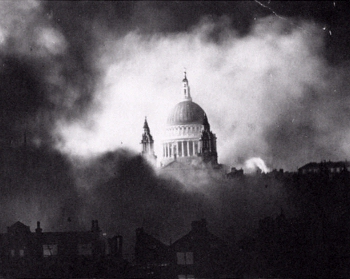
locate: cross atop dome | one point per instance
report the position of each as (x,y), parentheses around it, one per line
(186,88)
(185,78)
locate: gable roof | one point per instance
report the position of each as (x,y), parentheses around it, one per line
(18,227)
(148,240)
(199,236)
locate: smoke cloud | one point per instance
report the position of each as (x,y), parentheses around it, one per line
(37,184)
(266,94)
(123,192)
(84,80)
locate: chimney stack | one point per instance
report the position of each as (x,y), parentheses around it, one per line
(116,245)
(94,226)
(38,230)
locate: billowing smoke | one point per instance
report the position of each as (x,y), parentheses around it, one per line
(43,75)
(83,80)
(42,80)
(268,94)
(122,191)
(37,184)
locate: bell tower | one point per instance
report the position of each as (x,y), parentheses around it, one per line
(147,143)
(208,143)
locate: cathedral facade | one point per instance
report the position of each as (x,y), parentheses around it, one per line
(187,139)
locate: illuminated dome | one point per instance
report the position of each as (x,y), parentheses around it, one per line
(187,137)
(186,112)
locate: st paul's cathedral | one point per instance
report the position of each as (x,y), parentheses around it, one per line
(188,140)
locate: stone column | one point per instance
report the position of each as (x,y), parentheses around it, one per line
(182,149)
(188,148)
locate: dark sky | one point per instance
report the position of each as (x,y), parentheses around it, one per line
(77,19)
(78,78)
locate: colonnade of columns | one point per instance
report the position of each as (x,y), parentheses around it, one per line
(181,149)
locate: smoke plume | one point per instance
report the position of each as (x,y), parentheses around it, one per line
(269,93)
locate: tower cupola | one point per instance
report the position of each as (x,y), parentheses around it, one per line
(147,143)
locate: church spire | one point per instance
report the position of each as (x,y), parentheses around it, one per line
(145,127)
(147,143)
(186,88)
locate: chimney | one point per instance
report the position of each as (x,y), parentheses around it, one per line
(116,244)
(120,246)
(38,230)
(94,226)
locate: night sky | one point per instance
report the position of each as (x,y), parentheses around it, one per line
(78,78)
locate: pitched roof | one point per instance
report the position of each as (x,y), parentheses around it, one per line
(18,226)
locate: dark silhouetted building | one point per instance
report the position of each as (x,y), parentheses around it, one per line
(152,257)
(235,173)
(59,254)
(325,166)
(198,254)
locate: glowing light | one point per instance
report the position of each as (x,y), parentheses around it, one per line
(255,163)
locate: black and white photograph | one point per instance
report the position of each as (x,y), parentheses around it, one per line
(174,139)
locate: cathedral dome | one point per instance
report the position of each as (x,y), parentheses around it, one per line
(187,137)
(186,112)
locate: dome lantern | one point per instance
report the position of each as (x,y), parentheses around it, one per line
(186,88)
